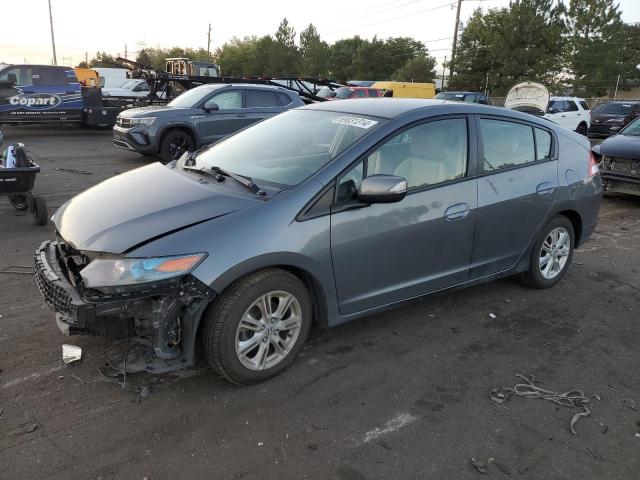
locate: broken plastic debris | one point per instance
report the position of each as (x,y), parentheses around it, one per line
(479,465)
(492,315)
(260,444)
(630,403)
(71,353)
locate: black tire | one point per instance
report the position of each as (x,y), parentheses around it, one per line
(222,320)
(534,276)
(174,143)
(582,129)
(19,201)
(40,211)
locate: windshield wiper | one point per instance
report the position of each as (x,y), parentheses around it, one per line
(219,174)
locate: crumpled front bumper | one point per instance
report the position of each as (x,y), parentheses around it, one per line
(164,316)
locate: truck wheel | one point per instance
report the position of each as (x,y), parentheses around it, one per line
(257,327)
(40,211)
(174,144)
(582,129)
(19,201)
(551,254)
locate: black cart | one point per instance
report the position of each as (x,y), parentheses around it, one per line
(17,184)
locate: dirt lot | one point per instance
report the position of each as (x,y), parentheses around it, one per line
(400,395)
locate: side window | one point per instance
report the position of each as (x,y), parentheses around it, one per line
(143,87)
(470,98)
(584,105)
(284,99)
(359,94)
(21,76)
(556,106)
(543,144)
(260,98)
(427,154)
(349,183)
(228,100)
(506,144)
(571,106)
(372,92)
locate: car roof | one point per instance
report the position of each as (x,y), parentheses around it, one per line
(556,97)
(215,86)
(394,107)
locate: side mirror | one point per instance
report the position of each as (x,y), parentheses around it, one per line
(382,189)
(210,106)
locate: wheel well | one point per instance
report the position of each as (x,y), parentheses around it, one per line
(187,130)
(576,222)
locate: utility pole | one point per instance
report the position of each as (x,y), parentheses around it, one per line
(125,50)
(615,93)
(53,42)
(455,40)
(209,43)
(86,58)
(444,66)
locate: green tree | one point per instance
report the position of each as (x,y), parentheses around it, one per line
(103,59)
(314,53)
(238,57)
(343,53)
(596,41)
(524,41)
(417,69)
(284,52)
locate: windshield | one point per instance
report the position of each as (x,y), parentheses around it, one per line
(191,98)
(343,92)
(633,129)
(129,84)
(613,109)
(458,97)
(286,149)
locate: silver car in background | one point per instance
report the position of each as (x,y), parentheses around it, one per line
(323,214)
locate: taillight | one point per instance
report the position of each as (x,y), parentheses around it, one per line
(593,165)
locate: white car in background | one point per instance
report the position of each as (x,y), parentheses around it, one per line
(572,113)
(134,88)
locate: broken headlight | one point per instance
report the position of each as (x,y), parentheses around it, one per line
(112,272)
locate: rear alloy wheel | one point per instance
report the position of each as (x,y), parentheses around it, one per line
(257,327)
(174,144)
(582,129)
(552,254)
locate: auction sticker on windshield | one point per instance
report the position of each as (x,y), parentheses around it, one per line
(355,121)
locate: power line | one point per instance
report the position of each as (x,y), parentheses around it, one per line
(373,14)
(355,14)
(387,20)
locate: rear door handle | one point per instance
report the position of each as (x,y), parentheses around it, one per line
(544,188)
(457,211)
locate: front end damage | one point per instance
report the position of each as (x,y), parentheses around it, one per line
(162,316)
(620,175)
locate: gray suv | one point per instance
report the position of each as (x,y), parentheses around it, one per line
(323,214)
(198,117)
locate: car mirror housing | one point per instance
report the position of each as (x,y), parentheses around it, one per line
(382,189)
(211,106)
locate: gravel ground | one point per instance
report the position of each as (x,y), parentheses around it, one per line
(398,395)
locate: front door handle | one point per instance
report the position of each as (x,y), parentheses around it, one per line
(545,188)
(457,211)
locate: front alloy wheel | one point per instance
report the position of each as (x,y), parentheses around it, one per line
(258,326)
(268,330)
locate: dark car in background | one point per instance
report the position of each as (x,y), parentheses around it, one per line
(323,214)
(471,97)
(198,117)
(609,118)
(619,158)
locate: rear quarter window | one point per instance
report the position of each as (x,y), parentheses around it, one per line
(260,98)
(506,144)
(284,99)
(584,105)
(543,144)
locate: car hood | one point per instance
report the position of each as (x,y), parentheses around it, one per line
(142,205)
(622,146)
(527,97)
(154,110)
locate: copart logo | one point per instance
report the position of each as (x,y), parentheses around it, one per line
(36,101)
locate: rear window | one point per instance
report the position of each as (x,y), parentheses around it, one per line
(506,144)
(584,105)
(543,144)
(284,99)
(53,76)
(260,98)
(614,108)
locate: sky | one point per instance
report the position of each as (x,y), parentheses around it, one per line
(82,28)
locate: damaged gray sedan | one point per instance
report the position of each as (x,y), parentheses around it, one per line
(323,214)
